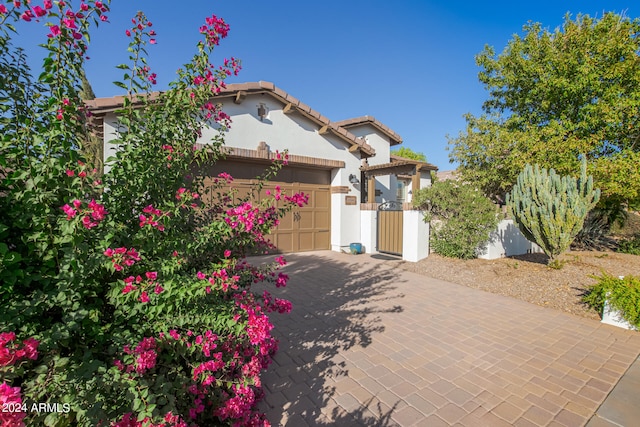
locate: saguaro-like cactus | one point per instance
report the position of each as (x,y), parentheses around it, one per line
(549,209)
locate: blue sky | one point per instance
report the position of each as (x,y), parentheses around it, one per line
(410,64)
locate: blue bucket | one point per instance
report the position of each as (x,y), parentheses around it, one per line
(356,248)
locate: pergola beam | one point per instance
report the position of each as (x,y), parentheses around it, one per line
(240,96)
(289,108)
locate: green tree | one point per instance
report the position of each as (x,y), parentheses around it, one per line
(554,95)
(461,217)
(550,209)
(408,153)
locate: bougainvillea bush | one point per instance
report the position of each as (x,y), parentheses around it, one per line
(125,299)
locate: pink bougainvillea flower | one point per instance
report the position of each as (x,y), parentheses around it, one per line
(31,348)
(144,297)
(98,211)
(128,288)
(151,275)
(71,213)
(282,279)
(10,395)
(70,23)
(3,9)
(70,173)
(39,11)
(48,4)
(88,223)
(227,253)
(27,16)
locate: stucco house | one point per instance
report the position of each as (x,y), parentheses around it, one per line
(344,166)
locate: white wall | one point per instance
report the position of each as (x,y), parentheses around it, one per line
(415,236)
(507,240)
(110,133)
(425,179)
(368,230)
(279,130)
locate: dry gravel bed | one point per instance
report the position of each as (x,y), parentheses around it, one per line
(528,278)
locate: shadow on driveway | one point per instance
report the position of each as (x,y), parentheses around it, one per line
(337,306)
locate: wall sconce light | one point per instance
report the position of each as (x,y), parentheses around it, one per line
(262,111)
(353,179)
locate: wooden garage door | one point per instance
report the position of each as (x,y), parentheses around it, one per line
(307,228)
(304,228)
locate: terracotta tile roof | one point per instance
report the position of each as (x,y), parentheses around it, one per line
(362,120)
(101,106)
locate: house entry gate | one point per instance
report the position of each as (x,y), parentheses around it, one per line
(389,236)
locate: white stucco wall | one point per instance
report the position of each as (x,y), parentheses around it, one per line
(507,240)
(368,230)
(415,236)
(110,133)
(279,130)
(425,179)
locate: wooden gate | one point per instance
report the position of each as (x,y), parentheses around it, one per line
(389,236)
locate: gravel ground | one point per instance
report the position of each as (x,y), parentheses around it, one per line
(528,278)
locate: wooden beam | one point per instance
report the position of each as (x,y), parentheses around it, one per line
(415,183)
(289,108)
(240,96)
(371,190)
(354,148)
(324,129)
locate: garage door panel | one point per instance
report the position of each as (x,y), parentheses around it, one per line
(306,220)
(323,239)
(322,199)
(306,241)
(284,241)
(322,220)
(303,228)
(286,222)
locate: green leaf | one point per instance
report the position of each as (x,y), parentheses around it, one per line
(120,85)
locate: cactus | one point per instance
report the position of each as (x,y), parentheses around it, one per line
(549,209)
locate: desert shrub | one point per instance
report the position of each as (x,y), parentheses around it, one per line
(461,217)
(630,246)
(549,209)
(125,300)
(595,233)
(623,294)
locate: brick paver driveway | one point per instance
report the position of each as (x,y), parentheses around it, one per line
(367,344)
